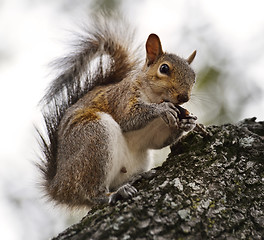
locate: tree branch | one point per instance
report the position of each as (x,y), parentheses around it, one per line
(210,187)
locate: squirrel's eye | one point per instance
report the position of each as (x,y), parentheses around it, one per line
(164,68)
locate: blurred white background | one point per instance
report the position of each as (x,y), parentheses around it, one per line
(228,37)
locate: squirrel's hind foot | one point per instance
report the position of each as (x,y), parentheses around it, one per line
(124,192)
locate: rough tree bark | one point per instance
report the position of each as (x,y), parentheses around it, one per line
(210,187)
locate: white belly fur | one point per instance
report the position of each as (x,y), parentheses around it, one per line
(124,153)
(153,136)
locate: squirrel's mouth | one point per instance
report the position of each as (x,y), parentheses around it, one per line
(173,102)
(178,99)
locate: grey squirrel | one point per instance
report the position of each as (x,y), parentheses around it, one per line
(106,110)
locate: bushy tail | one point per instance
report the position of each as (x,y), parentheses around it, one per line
(102,55)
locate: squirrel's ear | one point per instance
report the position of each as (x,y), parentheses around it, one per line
(153,48)
(191,57)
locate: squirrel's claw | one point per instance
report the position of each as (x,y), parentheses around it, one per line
(124,192)
(169,114)
(188,124)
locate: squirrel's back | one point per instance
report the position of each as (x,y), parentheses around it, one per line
(102,55)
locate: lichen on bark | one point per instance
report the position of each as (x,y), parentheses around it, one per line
(210,187)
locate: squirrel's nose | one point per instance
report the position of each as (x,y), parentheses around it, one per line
(182,98)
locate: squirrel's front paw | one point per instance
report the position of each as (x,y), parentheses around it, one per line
(169,114)
(125,191)
(188,124)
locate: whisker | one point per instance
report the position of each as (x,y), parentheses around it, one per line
(201,98)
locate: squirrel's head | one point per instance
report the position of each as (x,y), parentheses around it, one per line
(168,77)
